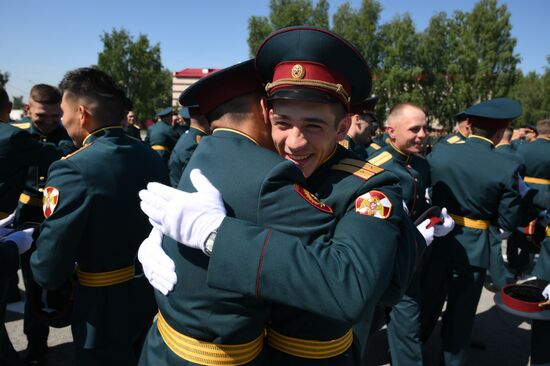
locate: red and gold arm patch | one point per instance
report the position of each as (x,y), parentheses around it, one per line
(312,199)
(50,200)
(373,203)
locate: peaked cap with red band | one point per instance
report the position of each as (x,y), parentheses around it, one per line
(219,87)
(313,64)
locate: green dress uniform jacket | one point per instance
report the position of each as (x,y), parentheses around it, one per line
(321,289)
(162,138)
(9,264)
(478,187)
(536,155)
(357,149)
(18,151)
(403,324)
(377,143)
(94,220)
(183,150)
(134,131)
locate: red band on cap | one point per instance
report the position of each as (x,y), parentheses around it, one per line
(516,304)
(312,75)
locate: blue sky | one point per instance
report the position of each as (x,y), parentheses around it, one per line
(41,40)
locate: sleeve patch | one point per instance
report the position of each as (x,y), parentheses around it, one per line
(312,199)
(374,203)
(50,201)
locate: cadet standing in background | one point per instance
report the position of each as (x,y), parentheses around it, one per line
(361,129)
(161,136)
(187,143)
(478,188)
(406,127)
(44,110)
(89,196)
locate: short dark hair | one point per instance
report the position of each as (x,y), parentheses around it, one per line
(4,98)
(98,91)
(487,132)
(239,107)
(45,94)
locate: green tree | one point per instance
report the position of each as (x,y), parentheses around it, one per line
(18,102)
(399,70)
(360,27)
(4,78)
(136,65)
(286,13)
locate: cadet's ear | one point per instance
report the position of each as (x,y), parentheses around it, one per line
(85,116)
(391,131)
(343,127)
(26,108)
(265,110)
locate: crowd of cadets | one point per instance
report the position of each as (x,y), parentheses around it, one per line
(351,244)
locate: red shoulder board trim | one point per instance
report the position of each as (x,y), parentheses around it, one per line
(312,200)
(374,203)
(50,200)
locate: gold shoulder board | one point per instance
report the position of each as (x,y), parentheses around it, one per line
(22,125)
(453,140)
(381,159)
(344,143)
(358,168)
(77,151)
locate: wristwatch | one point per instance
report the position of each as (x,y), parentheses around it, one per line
(209,243)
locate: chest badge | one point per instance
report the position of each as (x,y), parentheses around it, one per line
(312,200)
(373,203)
(50,200)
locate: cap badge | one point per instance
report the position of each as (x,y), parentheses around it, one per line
(298,72)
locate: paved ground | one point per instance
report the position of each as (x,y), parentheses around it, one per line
(506,339)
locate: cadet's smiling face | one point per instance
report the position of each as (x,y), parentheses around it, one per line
(46,117)
(408,130)
(306,133)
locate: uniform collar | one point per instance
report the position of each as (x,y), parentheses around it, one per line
(543,138)
(502,145)
(198,129)
(461,135)
(481,140)
(398,154)
(101,132)
(222,130)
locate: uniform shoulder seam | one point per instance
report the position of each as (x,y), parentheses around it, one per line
(77,151)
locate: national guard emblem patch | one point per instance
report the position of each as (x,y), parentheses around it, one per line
(373,203)
(50,200)
(312,200)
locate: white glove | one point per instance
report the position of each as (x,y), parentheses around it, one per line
(185,217)
(23,239)
(523,188)
(503,234)
(159,269)
(447,226)
(427,233)
(5,222)
(546,292)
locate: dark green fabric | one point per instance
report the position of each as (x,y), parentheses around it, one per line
(377,143)
(182,152)
(98,196)
(359,150)
(472,181)
(9,263)
(164,135)
(413,172)
(18,151)
(134,131)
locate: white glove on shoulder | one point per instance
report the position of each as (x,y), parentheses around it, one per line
(23,239)
(427,233)
(447,226)
(546,292)
(5,222)
(159,268)
(185,217)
